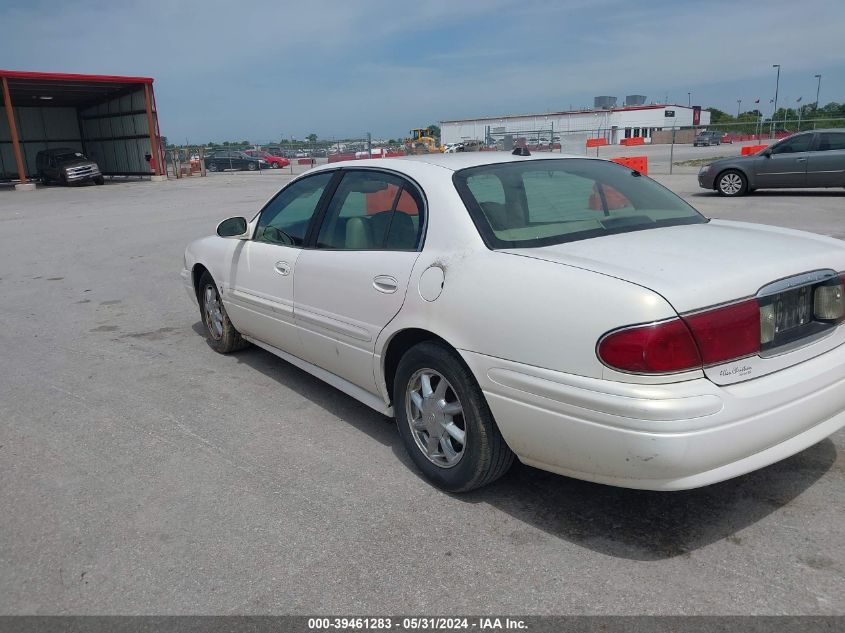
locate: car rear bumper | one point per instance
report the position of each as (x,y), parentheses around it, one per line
(661,437)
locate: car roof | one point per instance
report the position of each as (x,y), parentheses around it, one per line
(453,162)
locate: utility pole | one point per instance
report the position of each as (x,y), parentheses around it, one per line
(800,109)
(738,106)
(818,89)
(774,112)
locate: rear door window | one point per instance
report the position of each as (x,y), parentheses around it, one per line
(372,210)
(831,141)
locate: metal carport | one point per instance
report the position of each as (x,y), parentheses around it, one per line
(113,120)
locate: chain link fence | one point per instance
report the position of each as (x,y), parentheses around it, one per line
(666,148)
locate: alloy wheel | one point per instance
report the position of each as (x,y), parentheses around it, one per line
(213,313)
(730,184)
(436,417)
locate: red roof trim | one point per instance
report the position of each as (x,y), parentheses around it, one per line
(19,74)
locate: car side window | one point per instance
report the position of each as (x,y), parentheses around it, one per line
(286,217)
(831,141)
(372,210)
(800,143)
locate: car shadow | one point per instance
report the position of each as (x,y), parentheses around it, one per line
(618,522)
(648,525)
(362,417)
(778,193)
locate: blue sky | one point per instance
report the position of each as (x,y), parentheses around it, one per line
(261,69)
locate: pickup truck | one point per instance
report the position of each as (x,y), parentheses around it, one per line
(67,166)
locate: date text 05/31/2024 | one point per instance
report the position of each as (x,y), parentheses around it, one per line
(415,623)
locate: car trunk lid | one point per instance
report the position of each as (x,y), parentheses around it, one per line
(699,266)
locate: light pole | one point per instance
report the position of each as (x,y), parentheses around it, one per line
(818,89)
(777,85)
(738,106)
(689,99)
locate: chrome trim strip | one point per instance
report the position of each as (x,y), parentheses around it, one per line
(796,281)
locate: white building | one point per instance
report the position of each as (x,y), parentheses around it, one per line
(575,127)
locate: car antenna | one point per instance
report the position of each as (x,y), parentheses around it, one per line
(521,151)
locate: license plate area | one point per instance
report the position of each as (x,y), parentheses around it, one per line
(788,321)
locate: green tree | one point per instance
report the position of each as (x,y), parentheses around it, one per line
(435,130)
(312,138)
(719,116)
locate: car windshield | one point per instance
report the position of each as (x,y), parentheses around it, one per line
(69,156)
(542,202)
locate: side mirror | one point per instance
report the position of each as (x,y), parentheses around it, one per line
(233,227)
(766,153)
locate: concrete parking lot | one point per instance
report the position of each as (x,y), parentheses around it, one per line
(142,473)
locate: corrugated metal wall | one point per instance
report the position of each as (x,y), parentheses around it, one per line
(38,128)
(116,134)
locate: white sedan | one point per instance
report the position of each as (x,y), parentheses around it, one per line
(567,311)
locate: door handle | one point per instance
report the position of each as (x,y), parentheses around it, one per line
(282,268)
(385,284)
(800,160)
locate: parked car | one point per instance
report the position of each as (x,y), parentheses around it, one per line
(808,159)
(275,162)
(67,166)
(232,159)
(708,138)
(564,310)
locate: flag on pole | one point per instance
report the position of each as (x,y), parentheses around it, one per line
(798,100)
(756,101)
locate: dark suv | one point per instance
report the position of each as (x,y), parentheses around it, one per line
(708,138)
(232,159)
(67,166)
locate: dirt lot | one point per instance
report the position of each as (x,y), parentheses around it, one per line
(143,473)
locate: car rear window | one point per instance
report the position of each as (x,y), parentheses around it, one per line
(543,202)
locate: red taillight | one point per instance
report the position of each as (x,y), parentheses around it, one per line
(662,347)
(726,333)
(705,338)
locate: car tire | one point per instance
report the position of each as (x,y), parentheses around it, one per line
(222,335)
(274,165)
(732,183)
(212,167)
(45,179)
(99,180)
(251,166)
(435,390)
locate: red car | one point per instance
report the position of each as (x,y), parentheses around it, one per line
(276,162)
